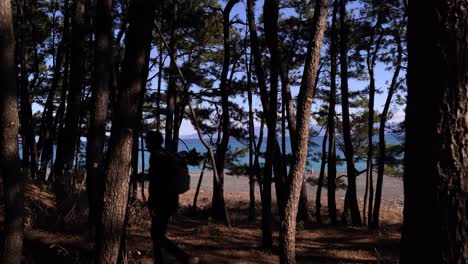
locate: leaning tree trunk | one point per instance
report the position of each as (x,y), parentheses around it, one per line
(288,225)
(9,162)
(436,159)
(118,167)
(351,193)
(100,104)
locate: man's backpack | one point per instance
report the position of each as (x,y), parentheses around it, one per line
(180,177)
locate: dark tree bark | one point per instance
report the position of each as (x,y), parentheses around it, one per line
(218,203)
(125,121)
(331,175)
(436,164)
(318,197)
(171,94)
(65,150)
(29,157)
(382,144)
(371,61)
(9,123)
(47,132)
(100,105)
(252,210)
(267,239)
(288,225)
(351,194)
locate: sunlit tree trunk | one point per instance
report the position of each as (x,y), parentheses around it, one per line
(288,225)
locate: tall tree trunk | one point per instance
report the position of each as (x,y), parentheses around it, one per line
(270,13)
(371,60)
(65,150)
(331,175)
(288,225)
(125,121)
(382,144)
(218,203)
(267,239)
(318,197)
(9,163)
(252,210)
(351,194)
(436,164)
(100,106)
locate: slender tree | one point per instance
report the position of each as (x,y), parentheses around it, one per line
(383,121)
(9,123)
(288,225)
(435,221)
(218,203)
(351,194)
(331,175)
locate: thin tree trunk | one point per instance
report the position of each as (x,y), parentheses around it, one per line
(125,121)
(318,197)
(100,105)
(65,150)
(252,210)
(218,203)
(371,60)
(197,191)
(9,163)
(382,144)
(171,94)
(288,225)
(45,142)
(267,239)
(435,226)
(351,193)
(331,175)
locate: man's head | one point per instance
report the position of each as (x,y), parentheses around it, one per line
(154,139)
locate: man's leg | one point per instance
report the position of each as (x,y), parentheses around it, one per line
(158,233)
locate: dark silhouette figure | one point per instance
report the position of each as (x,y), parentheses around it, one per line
(163,199)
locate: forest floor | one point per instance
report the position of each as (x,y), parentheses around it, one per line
(212,242)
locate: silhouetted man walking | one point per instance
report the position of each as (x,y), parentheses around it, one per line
(163,199)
